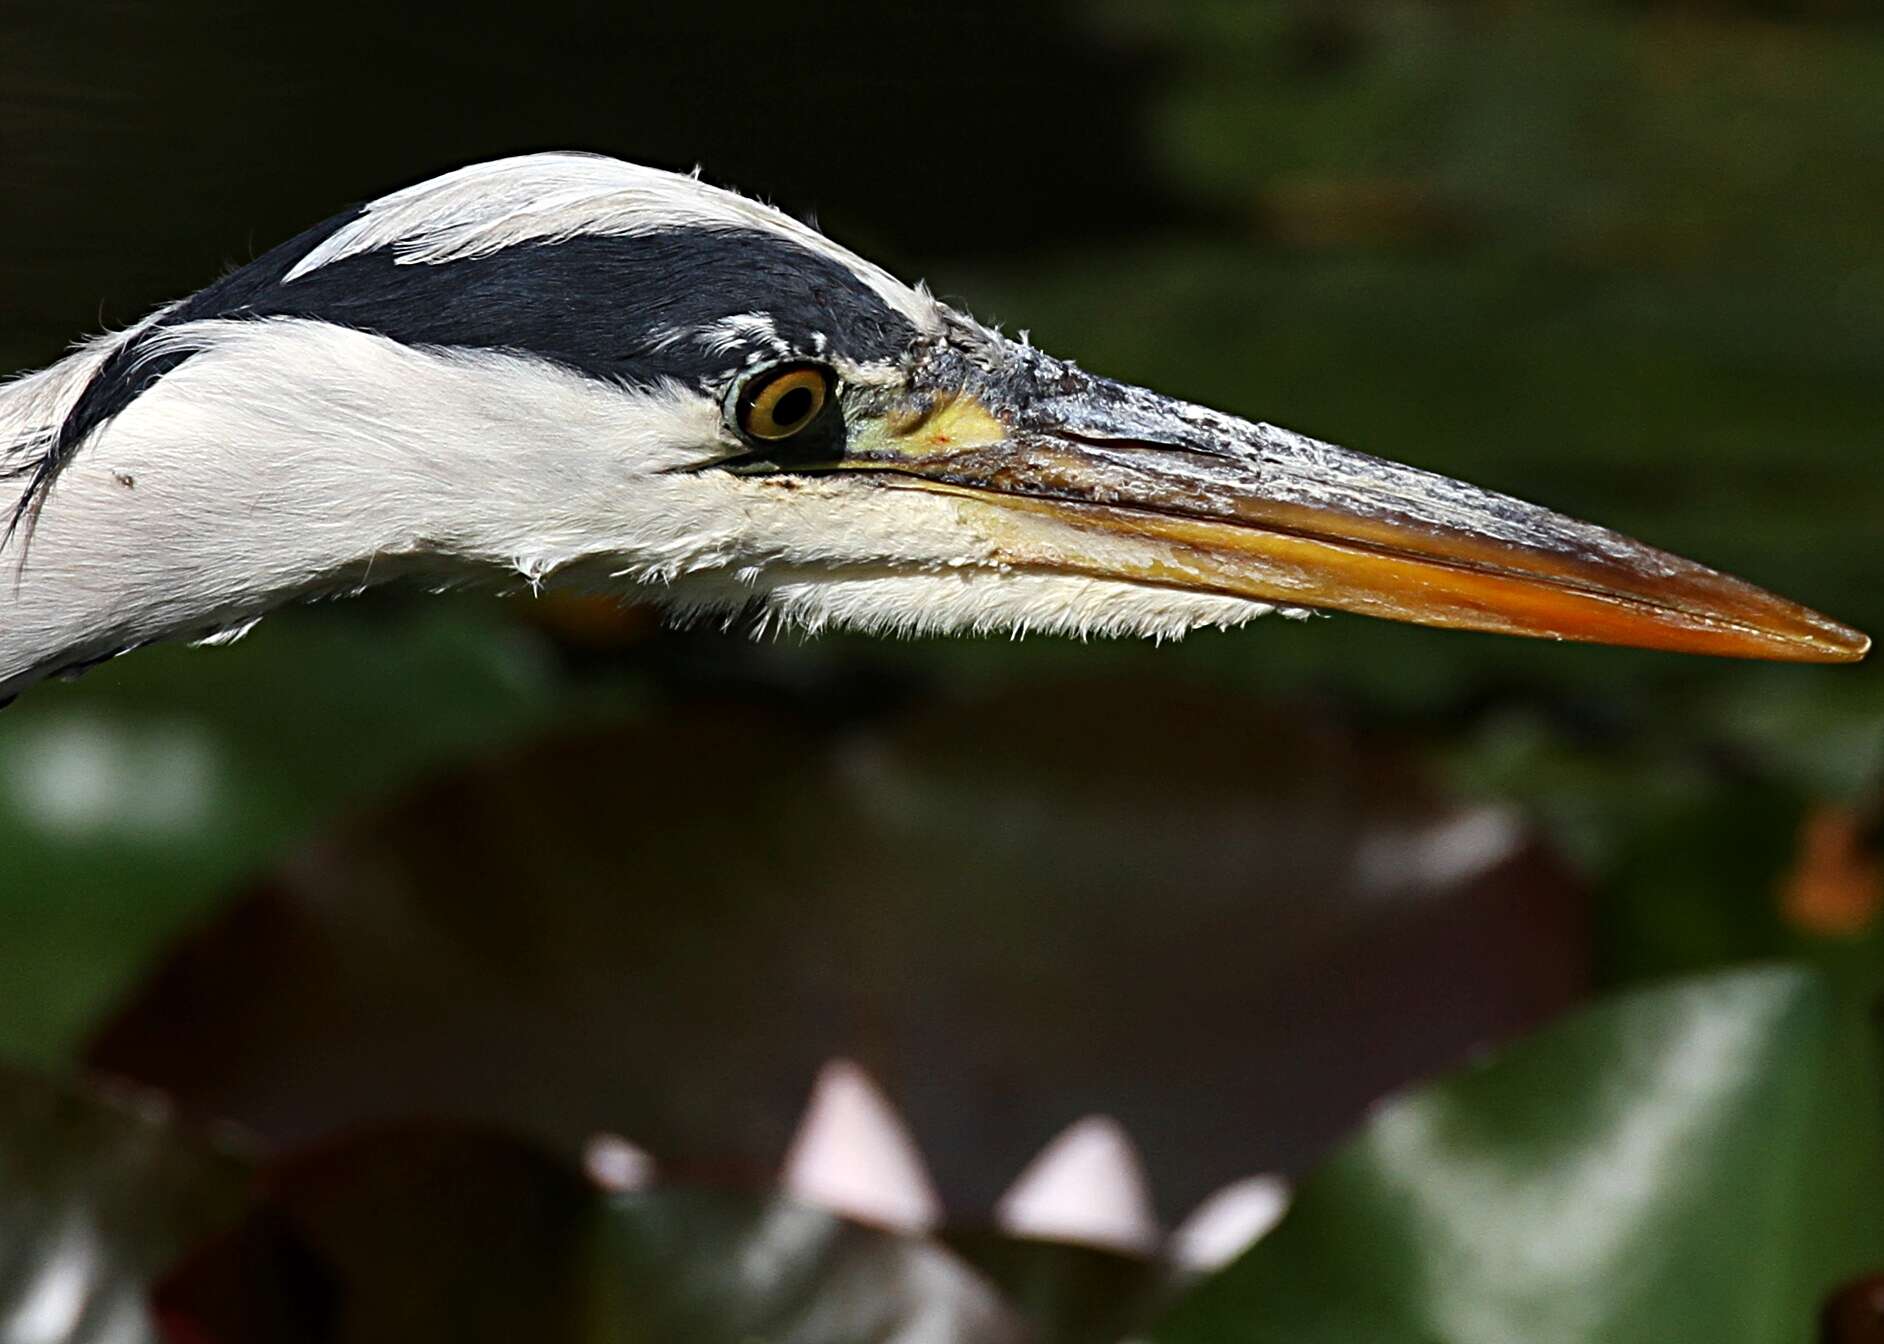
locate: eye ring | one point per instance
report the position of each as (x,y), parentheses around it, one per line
(784,401)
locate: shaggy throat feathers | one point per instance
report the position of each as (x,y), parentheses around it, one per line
(565,369)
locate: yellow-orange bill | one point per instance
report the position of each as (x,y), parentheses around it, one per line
(1082,475)
(1451,582)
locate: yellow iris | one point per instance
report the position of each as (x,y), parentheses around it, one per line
(785,403)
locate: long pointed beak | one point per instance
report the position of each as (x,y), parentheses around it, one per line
(1078,474)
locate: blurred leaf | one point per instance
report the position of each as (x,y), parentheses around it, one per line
(693,1266)
(1836,885)
(1068,1294)
(1855,1313)
(99,1192)
(1009,907)
(1704,852)
(431,1234)
(129,800)
(1588,132)
(1695,1163)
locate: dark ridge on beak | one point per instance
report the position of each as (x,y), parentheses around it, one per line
(1230,506)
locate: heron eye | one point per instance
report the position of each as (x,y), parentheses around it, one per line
(784,403)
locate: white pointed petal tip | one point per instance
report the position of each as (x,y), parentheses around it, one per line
(616,1165)
(1229,1223)
(1087,1187)
(854,1156)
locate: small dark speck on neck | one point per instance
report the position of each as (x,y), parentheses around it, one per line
(125,479)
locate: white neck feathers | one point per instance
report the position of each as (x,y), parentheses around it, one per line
(292,458)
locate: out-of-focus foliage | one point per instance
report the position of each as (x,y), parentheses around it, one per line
(464,1236)
(1721,1134)
(1070,1294)
(1692,1163)
(1616,258)
(127,803)
(100,1192)
(991,898)
(120,1224)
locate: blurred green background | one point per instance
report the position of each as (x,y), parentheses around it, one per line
(1620,258)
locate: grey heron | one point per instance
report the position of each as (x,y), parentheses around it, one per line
(562,367)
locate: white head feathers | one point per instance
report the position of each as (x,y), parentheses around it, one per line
(486,207)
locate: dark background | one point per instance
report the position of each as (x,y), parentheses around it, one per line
(550,863)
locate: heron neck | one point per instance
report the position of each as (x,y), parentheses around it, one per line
(293,460)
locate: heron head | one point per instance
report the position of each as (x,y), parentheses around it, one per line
(984,483)
(567,366)
(893,464)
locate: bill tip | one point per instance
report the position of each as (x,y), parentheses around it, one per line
(1834,643)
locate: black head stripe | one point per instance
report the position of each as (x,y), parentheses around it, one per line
(620,308)
(131,368)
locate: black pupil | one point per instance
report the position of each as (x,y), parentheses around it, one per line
(792,407)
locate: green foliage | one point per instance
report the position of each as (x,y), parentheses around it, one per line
(980,892)
(1070,1294)
(1620,259)
(419,1234)
(99,1193)
(128,802)
(1692,1163)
